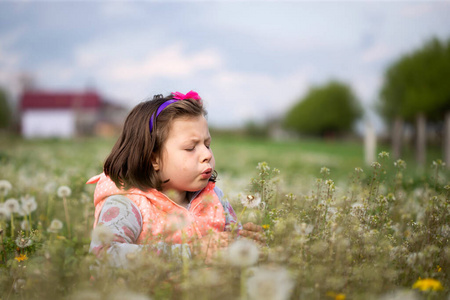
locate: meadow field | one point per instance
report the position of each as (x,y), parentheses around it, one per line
(335,228)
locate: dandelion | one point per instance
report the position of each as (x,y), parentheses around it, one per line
(55,226)
(21,257)
(12,205)
(19,284)
(102,235)
(5,187)
(303,228)
(338,296)
(28,204)
(25,225)
(251,201)
(64,192)
(4,213)
(270,283)
(243,253)
(428,284)
(400,295)
(23,242)
(383,154)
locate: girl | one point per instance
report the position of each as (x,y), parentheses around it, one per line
(158,184)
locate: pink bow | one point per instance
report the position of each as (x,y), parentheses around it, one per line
(190,95)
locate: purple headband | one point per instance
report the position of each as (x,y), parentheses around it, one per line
(177,96)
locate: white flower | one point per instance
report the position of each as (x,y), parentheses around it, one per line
(5,187)
(64,191)
(28,204)
(102,235)
(243,253)
(55,226)
(303,229)
(25,225)
(23,242)
(4,213)
(12,205)
(251,201)
(270,283)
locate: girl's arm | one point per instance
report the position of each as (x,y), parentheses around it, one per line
(118,215)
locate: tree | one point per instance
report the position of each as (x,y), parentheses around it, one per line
(416,89)
(5,111)
(328,109)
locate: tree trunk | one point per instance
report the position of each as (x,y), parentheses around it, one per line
(447,139)
(421,139)
(397,138)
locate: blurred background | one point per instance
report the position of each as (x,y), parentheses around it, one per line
(339,81)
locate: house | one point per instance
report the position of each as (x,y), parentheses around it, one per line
(67,114)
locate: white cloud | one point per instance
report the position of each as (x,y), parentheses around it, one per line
(376,53)
(167,62)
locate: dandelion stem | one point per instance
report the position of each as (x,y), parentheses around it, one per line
(12,225)
(66,211)
(243,284)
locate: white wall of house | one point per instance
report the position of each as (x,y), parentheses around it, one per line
(48,123)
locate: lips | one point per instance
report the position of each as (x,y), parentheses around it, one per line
(207,173)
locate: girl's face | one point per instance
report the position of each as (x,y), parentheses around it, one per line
(186,158)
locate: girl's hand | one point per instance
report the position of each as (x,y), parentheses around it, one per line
(254,232)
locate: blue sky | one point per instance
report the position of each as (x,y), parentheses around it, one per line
(247,59)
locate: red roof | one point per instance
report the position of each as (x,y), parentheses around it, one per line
(39,100)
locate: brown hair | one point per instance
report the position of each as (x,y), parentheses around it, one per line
(130,162)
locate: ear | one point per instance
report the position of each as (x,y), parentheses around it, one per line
(156,162)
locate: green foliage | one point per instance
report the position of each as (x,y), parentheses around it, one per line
(418,82)
(331,108)
(5,111)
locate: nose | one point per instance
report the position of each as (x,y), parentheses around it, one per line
(206,154)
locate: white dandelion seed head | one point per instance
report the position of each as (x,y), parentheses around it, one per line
(28,205)
(25,225)
(401,295)
(55,226)
(64,191)
(125,294)
(243,253)
(4,213)
(102,235)
(19,284)
(23,242)
(5,187)
(12,205)
(303,228)
(272,283)
(251,201)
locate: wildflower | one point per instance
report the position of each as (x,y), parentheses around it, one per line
(21,257)
(28,204)
(251,201)
(383,154)
(243,253)
(12,205)
(64,191)
(55,226)
(23,242)
(266,226)
(335,296)
(358,170)
(401,164)
(263,167)
(375,165)
(4,213)
(102,235)
(438,163)
(5,187)
(270,283)
(438,268)
(428,284)
(325,171)
(330,184)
